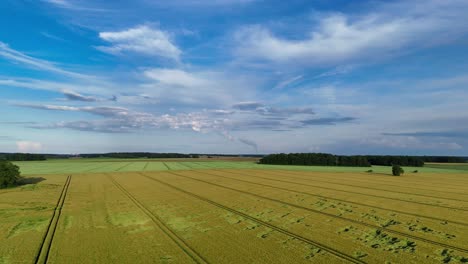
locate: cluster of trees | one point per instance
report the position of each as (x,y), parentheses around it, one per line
(133,155)
(322,159)
(9,174)
(397,170)
(22,156)
(399,160)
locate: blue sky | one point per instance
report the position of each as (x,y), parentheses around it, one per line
(234,76)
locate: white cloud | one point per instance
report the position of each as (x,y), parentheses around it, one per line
(175,77)
(62,3)
(201,3)
(339,38)
(28,146)
(141,39)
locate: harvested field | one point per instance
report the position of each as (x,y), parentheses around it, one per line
(210,212)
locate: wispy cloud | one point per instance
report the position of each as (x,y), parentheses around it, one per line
(141,39)
(29,146)
(52,36)
(75,5)
(74,96)
(327,121)
(340,38)
(220,120)
(444,134)
(263,109)
(249,142)
(63,3)
(248,106)
(288,82)
(44,65)
(196,88)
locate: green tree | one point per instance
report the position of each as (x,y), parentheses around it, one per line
(9,174)
(397,170)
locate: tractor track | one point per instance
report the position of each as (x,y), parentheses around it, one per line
(167,167)
(367,181)
(337,199)
(126,165)
(332,215)
(413,181)
(370,188)
(42,255)
(258,221)
(370,195)
(160,224)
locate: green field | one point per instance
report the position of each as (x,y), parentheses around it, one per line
(450,166)
(119,165)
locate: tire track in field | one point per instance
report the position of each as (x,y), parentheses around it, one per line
(187,166)
(367,181)
(273,174)
(330,215)
(44,249)
(217,167)
(370,188)
(336,199)
(146,165)
(62,169)
(160,224)
(126,165)
(167,167)
(97,168)
(370,195)
(258,221)
(416,180)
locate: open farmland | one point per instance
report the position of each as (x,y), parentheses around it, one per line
(121,165)
(232,212)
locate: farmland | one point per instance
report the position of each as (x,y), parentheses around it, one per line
(129,165)
(150,211)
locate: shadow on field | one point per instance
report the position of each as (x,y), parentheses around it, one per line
(31,180)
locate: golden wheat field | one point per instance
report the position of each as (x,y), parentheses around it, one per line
(236,216)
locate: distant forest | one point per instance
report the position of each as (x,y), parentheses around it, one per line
(283,159)
(134,155)
(324,159)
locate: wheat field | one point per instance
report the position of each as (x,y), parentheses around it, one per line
(222,214)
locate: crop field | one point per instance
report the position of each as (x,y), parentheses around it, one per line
(129,165)
(232,212)
(452,166)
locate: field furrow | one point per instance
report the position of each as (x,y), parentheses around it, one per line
(202,224)
(100,224)
(440,239)
(437,191)
(336,233)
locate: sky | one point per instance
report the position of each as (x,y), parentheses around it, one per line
(234,76)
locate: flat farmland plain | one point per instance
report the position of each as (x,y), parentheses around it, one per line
(229,213)
(128,165)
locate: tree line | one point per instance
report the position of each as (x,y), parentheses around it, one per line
(412,161)
(22,156)
(324,159)
(444,159)
(133,155)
